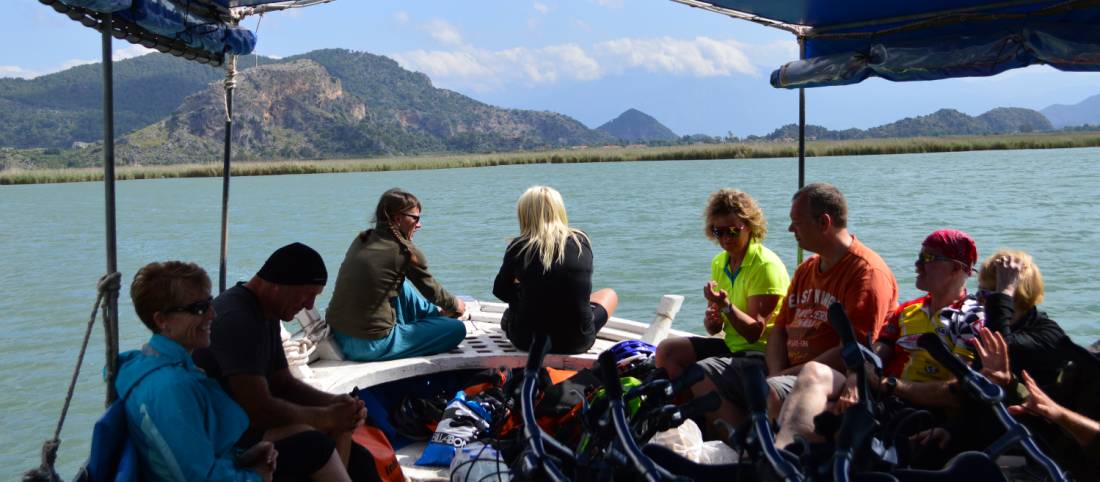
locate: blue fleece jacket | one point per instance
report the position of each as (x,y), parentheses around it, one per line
(182,423)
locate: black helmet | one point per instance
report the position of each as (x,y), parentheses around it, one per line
(416,418)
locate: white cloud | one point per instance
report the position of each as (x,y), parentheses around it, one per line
(17,71)
(68,64)
(131,51)
(480,69)
(443,32)
(698,57)
(401,16)
(610,3)
(542,8)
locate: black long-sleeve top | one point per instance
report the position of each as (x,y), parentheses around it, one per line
(556,301)
(1033,341)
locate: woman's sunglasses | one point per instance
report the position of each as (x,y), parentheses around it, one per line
(719,231)
(197,308)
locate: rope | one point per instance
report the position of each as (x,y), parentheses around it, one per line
(230,84)
(108,284)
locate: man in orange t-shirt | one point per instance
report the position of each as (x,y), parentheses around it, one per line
(843,270)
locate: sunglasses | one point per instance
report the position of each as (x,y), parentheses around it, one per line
(719,231)
(414,217)
(925,258)
(197,308)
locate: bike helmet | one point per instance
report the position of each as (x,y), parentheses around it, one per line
(416,418)
(631,355)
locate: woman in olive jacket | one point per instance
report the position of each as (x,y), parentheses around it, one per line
(386,305)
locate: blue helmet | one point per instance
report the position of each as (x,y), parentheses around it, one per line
(631,354)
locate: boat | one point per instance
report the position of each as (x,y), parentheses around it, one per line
(842,42)
(314,358)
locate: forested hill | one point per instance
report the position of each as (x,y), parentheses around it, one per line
(634,125)
(59,109)
(352,104)
(944,122)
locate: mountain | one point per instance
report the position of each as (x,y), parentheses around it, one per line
(325,103)
(637,126)
(1081,113)
(944,122)
(59,109)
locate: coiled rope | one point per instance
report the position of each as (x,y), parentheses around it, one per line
(108,285)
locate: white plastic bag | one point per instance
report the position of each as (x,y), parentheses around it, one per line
(686,440)
(716,452)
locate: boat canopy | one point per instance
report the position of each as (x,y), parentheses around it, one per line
(202,30)
(847,41)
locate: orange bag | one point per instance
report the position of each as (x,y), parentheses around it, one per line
(385,459)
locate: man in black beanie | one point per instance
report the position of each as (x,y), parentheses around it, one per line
(246,356)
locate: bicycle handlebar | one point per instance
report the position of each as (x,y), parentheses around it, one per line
(986,391)
(535,458)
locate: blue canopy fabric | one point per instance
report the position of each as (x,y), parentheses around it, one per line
(203,30)
(847,41)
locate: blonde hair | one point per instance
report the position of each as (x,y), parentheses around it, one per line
(1029,290)
(544,226)
(732,201)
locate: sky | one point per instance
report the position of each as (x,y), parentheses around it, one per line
(694,71)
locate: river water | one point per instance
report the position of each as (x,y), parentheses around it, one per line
(644,219)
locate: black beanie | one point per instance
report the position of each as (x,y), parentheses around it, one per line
(294,264)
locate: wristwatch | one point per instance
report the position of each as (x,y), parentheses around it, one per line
(890,384)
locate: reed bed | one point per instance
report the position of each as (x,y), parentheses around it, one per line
(742,150)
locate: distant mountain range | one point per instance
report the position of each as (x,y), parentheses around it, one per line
(1081,113)
(325,103)
(338,103)
(944,122)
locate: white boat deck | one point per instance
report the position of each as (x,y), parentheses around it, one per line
(485,346)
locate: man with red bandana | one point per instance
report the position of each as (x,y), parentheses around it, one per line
(945,262)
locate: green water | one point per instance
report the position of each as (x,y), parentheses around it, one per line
(644,219)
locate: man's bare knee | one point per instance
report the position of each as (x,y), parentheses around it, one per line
(814,374)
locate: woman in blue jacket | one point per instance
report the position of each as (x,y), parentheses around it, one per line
(183,425)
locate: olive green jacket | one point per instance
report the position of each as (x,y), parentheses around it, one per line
(374,268)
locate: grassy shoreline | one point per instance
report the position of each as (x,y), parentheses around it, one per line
(744,150)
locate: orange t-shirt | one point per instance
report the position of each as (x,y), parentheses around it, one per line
(861,282)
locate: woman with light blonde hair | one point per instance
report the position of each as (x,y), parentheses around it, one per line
(546,278)
(1011,286)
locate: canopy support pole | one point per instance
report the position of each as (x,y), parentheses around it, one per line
(230,84)
(110,325)
(801,130)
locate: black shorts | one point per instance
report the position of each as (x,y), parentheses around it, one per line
(566,342)
(708,346)
(300,454)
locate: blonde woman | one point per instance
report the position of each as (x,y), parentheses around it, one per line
(747,282)
(1011,287)
(546,278)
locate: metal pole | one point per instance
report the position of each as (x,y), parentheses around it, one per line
(110,325)
(801,130)
(230,83)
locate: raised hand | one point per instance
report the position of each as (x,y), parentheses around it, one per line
(993,351)
(1007,269)
(1037,403)
(715,295)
